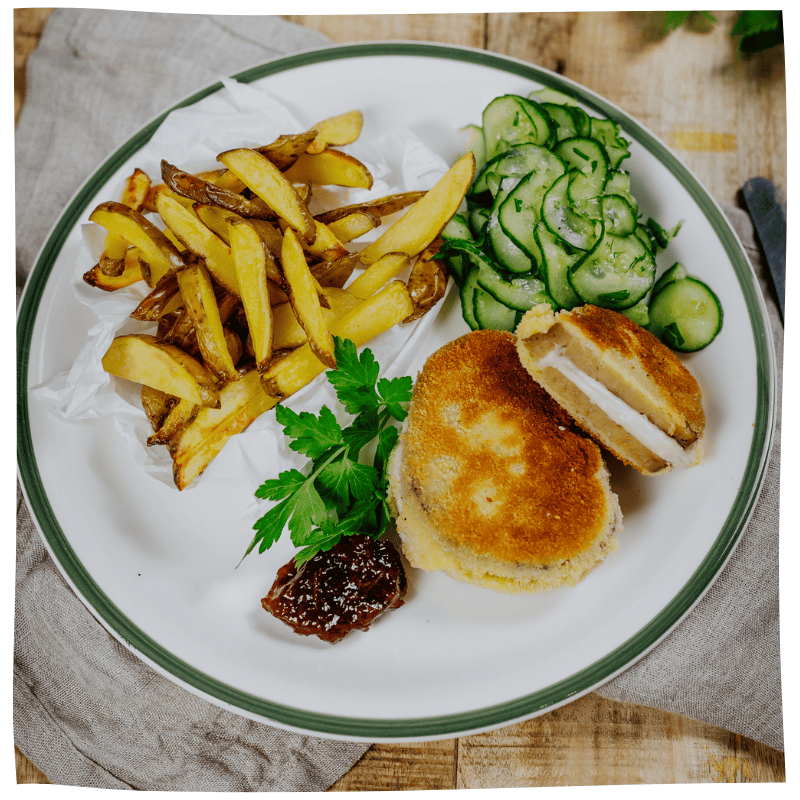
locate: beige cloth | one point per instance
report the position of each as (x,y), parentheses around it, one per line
(89,713)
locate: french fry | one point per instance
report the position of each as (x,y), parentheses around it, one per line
(427,282)
(197,292)
(112,260)
(250,258)
(144,359)
(424,221)
(198,442)
(157,250)
(370,318)
(180,415)
(136,188)
(337,272)
(354,225)
(289,332)
(378,274)
(157,405)
(330,168)
(154,304)
(304,298)
(283,152)
(383,206)
(261,176)
(339,130)
(198,237)
(325,245)
(131,273)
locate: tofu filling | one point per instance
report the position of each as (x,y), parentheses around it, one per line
(617,410)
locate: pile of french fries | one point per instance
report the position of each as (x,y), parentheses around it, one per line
(248,288)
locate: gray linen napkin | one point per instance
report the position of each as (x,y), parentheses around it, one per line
(722,664)
(86,711)
(89,713)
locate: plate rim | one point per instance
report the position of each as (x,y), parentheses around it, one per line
(417,728)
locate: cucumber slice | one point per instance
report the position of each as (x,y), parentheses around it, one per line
(467,294)
(660,237)
(640,313)
(521,211)
(510,120)
(506,250)
(675,273)
(520,292)
(548,95)
(686,315)
(590,159)
(619,182)
(561,115)
(457,228)
(477,222)
(492,315)
(617,273)
(608,133)
(644,234)
(473,136)
(455,267)
(556,262)
(618,216)
(562,218)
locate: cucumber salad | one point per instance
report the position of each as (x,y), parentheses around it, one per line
(550,218)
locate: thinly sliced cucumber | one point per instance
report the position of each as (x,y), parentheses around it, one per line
(467,294)
(608,133)
(640,313)
(563,119)
(510,120)
(506,250)
(660,237)
(521,211)
(491,314)
(457,228)
(590,159)
(519,292)
(477,221)
(618,216)
(617,273)
(619,182)
(674,273)
(516,162)
(686,315)
(455,267)
(473,136)
(556,261)
(561,217)
(646,238)
(548,95)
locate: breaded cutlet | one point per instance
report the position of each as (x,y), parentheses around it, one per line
(492,481)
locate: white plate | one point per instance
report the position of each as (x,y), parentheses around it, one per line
(157,566)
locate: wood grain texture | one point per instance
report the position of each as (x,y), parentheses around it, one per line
(726,118)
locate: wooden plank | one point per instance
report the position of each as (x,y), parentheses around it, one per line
(28,27)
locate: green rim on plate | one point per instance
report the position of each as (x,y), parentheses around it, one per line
(424,727)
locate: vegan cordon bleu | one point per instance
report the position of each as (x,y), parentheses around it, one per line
(491,481)
(618,382)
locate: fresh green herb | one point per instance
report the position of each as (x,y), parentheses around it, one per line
(337,495)
(674,19)
(759,30)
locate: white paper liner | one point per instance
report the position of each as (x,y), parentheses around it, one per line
(239,115)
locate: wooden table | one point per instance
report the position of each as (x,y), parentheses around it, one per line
(726,117)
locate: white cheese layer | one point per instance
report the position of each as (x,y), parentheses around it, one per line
(616,409)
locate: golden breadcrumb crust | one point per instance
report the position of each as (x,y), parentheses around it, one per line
(497,465)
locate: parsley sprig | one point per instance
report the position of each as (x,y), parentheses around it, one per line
(337,495)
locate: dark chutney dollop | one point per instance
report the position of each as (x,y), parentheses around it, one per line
(340,590)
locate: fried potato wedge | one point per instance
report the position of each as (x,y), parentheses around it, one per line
(200,239)
(330,168)
(136,188)
(156,405)
(427,282)
(289,332)
(131,273)
(144,359)
(339,130)
(305,299)
(424,221)
(263,178)
(379,274)
(250,257)
(201,191)
(161,255)
(383,206)
(154,305)
(284,151)
(180,415)
(354,225)
(337,272)
(197,443)
(200,301)
(368,319)
(326,246)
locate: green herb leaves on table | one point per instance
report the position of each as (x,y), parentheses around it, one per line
(337,495)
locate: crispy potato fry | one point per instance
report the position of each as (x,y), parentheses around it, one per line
(200,301)
(234,343)
(154,304)
(250,257)
(305,299)
(198,442)
(378,274)
(142,358)
(263,178)
(205,192)
(339,130)
(383,206)
(424,221)
(283,152)
(136,188)
(180,415)
(427,282)
(198,237)
(112,261)
(289,332)
(354,225)
(368,319)
(325,246)
(132,273)
(157,405)
(330,168)
(337,272)
(157,250)
(223,178)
